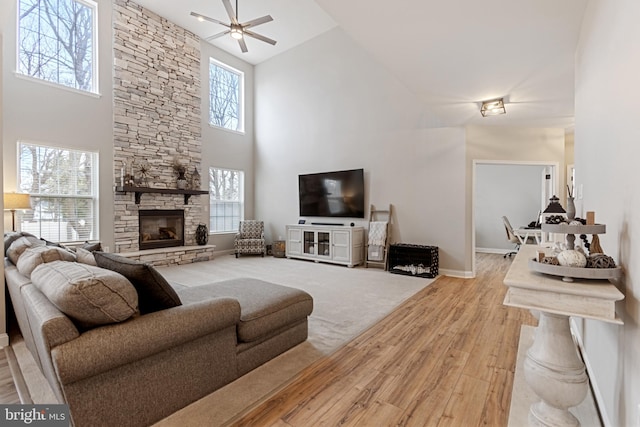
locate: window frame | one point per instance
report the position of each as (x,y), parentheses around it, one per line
(241,96)
(241,202)
(95,91)
(94,197)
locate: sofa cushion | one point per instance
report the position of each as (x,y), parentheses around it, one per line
(154,292)
(91,296)
(264,307)
(33,257)
(92,247)
(20,245)
(12,236)
(84,256)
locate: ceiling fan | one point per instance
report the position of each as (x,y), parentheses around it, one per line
(235,28)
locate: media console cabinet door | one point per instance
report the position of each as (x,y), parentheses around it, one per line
(341,245)
(294,241)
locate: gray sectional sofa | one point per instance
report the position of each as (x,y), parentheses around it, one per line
(175,347)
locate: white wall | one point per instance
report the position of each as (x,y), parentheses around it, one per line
(223,148)
(48,114)
(327,105)
(606,157)
(510,190)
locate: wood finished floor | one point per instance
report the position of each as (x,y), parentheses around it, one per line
(445,357)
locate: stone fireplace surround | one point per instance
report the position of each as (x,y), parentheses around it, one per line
(157,117)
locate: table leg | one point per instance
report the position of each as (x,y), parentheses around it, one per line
(555,372)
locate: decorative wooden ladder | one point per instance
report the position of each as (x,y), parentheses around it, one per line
(378,215)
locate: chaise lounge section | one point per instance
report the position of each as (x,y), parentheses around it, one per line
(140,370)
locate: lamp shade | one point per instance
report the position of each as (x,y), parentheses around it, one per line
(554,206)
(16,201)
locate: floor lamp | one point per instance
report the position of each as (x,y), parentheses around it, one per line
(14,202)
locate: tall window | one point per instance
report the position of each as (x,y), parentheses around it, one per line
(63,186)
(57,42)
(226,93)
(226,193)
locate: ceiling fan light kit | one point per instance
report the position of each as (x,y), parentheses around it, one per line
(236,29)
(493,107)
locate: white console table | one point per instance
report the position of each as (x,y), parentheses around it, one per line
(553,368)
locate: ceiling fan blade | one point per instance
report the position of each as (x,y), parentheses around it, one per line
(232,16)
(257,21)
(206,18)
(215,36)
(243,46)
(259,37)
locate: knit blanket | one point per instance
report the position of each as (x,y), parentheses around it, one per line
(377,233)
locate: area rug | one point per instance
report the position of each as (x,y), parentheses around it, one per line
(347,301)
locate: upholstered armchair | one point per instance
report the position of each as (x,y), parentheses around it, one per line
(250,238)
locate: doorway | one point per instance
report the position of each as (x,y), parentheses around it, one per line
(518,190)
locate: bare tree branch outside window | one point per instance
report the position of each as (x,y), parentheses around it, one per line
(61,183)
(225,92)
(56,41)
(226,199)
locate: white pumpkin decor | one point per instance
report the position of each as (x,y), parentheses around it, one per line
(571,258)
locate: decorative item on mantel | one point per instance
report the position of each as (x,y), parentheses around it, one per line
(202,234)
(195,179)
(180,169)
(142,176)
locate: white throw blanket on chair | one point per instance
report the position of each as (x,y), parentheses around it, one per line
(377,233)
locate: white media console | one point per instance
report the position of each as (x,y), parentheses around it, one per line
(326,243)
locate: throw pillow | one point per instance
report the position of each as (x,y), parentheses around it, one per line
(12,236)
(154,292)
(85,257)
(89,295)
(20,245)
(33,257)
(92,247)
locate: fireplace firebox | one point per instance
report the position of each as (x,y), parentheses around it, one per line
(161,228)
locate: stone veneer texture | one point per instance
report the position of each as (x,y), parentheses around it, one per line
(156,114)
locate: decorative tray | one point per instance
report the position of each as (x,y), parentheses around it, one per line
(570,273)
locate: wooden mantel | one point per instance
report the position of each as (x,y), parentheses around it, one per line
(138,191)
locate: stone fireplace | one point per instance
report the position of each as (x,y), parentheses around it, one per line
(157,120)
(160,228)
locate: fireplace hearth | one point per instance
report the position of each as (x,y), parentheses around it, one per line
(161,228)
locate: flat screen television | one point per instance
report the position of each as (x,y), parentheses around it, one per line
(332,194)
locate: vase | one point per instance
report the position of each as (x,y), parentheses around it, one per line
(571,208)
(202,234)
(181,183)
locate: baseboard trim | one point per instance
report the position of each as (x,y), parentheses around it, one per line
(456,273)
(494,251)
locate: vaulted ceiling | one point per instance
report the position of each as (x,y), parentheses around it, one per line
(452,54)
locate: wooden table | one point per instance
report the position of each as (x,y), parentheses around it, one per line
(553,368)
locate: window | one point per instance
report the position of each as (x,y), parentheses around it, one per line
(226,191)
(64,196)
(226,96)
(57,42)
